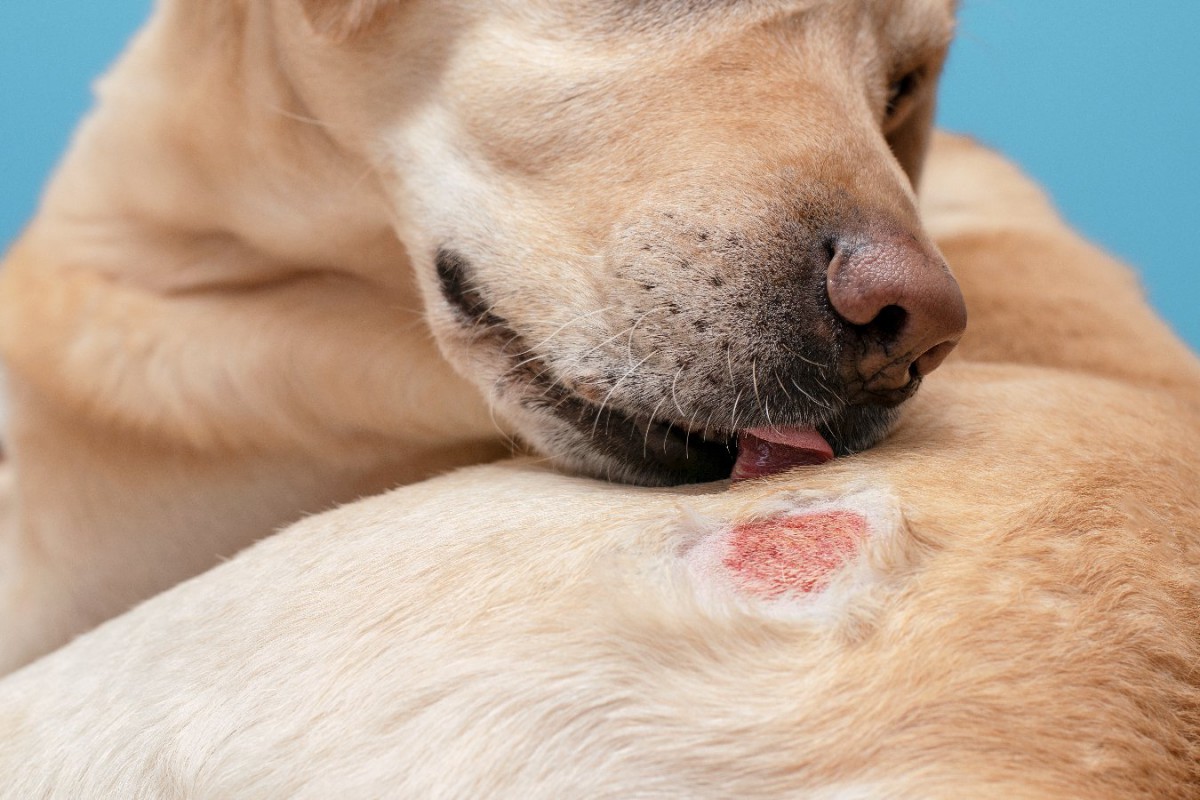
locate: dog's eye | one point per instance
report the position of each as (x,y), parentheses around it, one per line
(900,90)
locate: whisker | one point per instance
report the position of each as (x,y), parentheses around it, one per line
(733,423)
(708,424)
(786,394)
(822,368)
(674,397)
(535,348)
(614,388)
(814,400)
(629,346)
(509,441)
(614,337)
(754,381)
(667,428)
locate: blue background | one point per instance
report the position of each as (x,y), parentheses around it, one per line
(1099,101)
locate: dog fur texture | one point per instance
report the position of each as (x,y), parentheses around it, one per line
(307,250)
(1021,621)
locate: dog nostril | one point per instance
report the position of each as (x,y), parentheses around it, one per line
(887,325)
(831,249)
(928,361)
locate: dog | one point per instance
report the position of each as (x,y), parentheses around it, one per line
(999,601)
(307,250)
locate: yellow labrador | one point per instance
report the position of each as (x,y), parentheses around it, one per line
(998,602)
(303,246)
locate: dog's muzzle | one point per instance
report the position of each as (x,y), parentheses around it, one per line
(820,352)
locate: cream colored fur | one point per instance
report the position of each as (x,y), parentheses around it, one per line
(224,315)
(1030,629)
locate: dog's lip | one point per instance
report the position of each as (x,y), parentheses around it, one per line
(753,452)
(762,452)
(667,445)
(639,446)
(686,430)
(757,452)
(633,446)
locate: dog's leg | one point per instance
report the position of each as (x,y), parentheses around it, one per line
(145,452)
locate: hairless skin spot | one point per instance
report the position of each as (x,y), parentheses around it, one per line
(797,554)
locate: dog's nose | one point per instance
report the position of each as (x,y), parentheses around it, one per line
(902,306)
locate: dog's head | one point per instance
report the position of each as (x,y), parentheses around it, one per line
(643,228)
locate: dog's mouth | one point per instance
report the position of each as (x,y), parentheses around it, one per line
(633,448)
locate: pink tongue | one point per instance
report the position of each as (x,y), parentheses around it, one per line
(767,451)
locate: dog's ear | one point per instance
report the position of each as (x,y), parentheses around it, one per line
(340,20)
(910,139)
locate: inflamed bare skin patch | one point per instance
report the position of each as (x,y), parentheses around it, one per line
(790,554)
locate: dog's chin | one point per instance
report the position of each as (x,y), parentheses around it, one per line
(619,446)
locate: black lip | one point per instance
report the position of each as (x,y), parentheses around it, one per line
(458,286)
(631,448)
(645,451)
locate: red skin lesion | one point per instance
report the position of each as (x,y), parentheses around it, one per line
(793,554)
